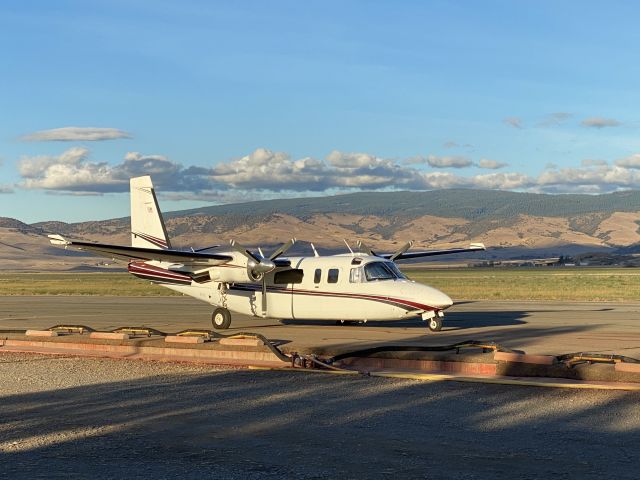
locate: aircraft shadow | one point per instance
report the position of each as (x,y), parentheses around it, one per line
(464,320)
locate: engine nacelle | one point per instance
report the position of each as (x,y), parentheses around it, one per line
(234,274)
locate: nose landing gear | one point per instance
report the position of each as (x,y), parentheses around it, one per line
(435,324)
(434,320)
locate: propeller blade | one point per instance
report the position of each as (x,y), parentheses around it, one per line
(244,251)
(257,264)
(362,247)
(282,250)
(403,249)
(264,296)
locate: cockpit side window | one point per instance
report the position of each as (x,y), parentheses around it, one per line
(378,271)
(356,275)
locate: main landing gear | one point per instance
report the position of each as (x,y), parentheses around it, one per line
(221,318)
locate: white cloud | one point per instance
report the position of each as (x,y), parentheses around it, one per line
(598,179)
(515,122)
(6,189)
(600,122)
(491,164)
(267,174)
(72,171)
(72,134)
(453,161)
(632,161)
(502,181)
(450,144)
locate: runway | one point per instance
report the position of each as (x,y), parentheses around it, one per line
(535,327)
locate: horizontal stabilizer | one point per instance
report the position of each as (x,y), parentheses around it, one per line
(58,240)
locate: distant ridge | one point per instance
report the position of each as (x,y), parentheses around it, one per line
(460,203)
(511,224)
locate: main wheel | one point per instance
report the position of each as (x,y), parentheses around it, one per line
(221,318)
(435,324)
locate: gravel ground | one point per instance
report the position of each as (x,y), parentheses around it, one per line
(91,418)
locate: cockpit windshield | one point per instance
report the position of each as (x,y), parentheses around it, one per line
(395,270)
(381,271)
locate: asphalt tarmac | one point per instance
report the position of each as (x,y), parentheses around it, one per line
(68,418)
(535,327)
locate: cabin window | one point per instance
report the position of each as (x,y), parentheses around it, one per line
(288,276)
(378,271)
(356,275)
(317,275)
(332,277)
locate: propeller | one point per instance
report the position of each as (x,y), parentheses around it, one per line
(262,265)
(258,265)
(366,249)
(402,249)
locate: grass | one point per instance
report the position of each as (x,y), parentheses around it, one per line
(577,284)
(120,284)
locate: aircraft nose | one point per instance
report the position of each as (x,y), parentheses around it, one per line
(438,299)
(444,301)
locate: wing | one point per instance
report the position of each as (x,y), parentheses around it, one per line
(474,247)
(129,254)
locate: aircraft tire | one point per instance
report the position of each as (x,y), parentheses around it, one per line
(435,324)
(221,319)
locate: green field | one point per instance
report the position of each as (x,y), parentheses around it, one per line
(78,284)
(580,284)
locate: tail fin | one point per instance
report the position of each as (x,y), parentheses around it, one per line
(147,226)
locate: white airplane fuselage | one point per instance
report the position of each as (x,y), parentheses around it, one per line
(339,287)
(349,287)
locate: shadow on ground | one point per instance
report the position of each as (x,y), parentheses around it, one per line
(239,424)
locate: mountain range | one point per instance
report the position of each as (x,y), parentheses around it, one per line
(511,224)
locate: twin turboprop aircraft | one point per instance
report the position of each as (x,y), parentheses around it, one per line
(358,286)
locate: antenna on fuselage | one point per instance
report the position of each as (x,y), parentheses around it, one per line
(347,244)
(315,252)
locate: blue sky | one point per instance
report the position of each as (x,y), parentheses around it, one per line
(231,101)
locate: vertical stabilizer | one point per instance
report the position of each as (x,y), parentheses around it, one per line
(147,226)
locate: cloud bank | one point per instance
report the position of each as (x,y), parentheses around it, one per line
(71,134)
(268,174)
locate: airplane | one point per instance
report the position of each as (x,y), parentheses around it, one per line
(358,286)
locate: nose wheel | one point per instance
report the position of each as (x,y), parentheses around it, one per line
(435,324)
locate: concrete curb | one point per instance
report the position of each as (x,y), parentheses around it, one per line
(183,339)
(220,357)
(109,336)
(524,358)
(627,367)
(41,333)
(378,363)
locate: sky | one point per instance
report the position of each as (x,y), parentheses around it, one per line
(222,102)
